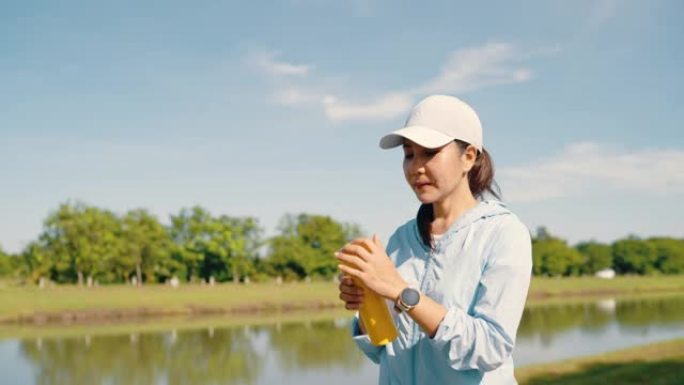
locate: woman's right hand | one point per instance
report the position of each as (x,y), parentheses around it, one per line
(351,294)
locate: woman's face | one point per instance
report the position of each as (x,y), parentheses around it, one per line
(435,174)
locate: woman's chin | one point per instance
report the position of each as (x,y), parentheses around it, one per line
(425,198)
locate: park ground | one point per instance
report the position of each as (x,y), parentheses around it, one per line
(654,364)
(68,303)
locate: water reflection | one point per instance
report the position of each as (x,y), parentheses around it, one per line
(314,345)
(547,322)
(312,352)
(220,357)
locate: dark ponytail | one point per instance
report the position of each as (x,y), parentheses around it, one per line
(481,181)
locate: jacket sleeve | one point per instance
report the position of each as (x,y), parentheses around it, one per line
(484,339)
(364,343)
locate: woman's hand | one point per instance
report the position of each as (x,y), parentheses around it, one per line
(366,260)
(351,294)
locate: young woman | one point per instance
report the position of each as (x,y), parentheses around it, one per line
(458,273)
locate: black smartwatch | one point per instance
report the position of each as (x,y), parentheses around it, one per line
(407,300)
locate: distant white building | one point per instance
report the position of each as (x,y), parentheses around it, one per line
(606,274)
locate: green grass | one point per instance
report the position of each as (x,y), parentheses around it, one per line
(165,324)
(18,301)
(544,286)
(27,302)
(654,364)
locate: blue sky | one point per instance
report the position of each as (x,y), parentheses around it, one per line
(267,108)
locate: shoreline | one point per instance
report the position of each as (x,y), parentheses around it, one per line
(108,304)
(635,365)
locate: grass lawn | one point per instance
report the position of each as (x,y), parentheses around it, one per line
(655,364)
(18,301)
(25,302)
(544,286)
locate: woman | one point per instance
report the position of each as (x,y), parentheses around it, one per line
(458,274)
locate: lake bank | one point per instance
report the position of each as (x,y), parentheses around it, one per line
(73,304)
(654,364)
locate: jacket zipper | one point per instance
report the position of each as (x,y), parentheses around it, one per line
(423,284)
(415,338)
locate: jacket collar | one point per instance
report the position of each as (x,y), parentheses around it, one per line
(484,209)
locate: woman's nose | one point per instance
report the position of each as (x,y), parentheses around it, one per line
(416,166)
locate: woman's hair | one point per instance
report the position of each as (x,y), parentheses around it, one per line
(480,180)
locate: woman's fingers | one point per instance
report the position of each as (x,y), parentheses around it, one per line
(351,294)
(356,248)
(350,271)
(350,259)
(354,298)
(367,244)
(351,289)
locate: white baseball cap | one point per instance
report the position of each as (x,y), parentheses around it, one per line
(437,120)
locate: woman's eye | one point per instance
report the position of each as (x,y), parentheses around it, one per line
(408,156)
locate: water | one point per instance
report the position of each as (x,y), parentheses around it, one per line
(313,352)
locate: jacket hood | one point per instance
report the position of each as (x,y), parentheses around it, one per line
(484,209)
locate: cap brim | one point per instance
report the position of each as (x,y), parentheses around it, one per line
(423,136)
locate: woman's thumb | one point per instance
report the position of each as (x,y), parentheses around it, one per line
(376,239)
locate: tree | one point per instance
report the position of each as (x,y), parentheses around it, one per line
(597,256)
(224,247)
(633,255)
(306,245)
(146,247)
(6,264)
(188,232)
(228,247)
(82,240)
(552,256)
(247,241)
(35,262)
(669,254)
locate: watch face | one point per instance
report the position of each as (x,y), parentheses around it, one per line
(410,296)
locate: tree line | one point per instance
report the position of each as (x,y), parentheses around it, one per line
(83,244)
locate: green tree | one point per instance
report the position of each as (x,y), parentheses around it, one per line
(82,241)
(227,247)
(146,248)
(224,247)
(246,243)
(552,256)
(306,245)
(188,232)
(669,254)
(633,255)
(6,264)
(597,256)
(35,262)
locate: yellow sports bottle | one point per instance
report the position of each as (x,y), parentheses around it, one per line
(375,316)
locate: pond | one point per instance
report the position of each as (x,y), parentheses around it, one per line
(313,352)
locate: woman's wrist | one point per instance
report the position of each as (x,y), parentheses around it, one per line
(397,289)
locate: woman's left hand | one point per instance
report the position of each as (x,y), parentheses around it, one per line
(369,264)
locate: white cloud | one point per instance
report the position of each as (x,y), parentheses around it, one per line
(267,62)
(386,107)
(587,168)
(474,68)
(601,12)
(466,70)
(295,96)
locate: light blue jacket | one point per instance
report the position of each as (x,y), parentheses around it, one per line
(480,271)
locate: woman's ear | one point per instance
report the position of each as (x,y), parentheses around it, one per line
(469,157)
